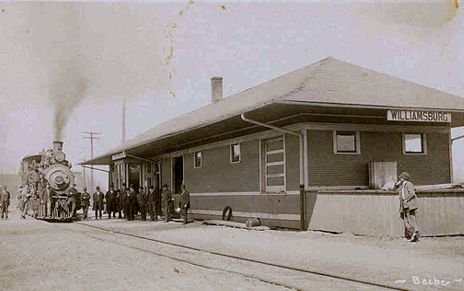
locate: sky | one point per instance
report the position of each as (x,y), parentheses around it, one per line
(66,67)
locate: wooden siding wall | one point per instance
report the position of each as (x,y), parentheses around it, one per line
(217,174)
(292,162)
(377,213)
(329,169)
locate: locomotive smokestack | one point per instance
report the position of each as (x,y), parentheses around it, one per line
(216,89)
(57,145)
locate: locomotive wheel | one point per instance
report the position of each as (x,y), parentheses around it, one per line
(227,213)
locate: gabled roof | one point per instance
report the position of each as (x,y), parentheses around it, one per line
(337,82)
(329,82)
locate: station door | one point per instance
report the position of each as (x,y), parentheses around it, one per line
(274,164)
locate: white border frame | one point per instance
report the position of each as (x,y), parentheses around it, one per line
(239,156)
(357,135)
(424,144)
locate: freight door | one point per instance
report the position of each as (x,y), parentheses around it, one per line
(274,164)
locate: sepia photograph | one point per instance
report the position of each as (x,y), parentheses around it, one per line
(232,145)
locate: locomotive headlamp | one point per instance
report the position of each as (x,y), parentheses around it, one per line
(59,156)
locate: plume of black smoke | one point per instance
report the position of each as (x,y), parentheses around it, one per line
(92,52)
(66,93)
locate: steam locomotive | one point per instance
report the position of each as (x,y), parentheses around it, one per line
(49,167)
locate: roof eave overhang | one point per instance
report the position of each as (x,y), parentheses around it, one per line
(107,158)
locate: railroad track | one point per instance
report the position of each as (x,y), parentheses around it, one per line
(291,277)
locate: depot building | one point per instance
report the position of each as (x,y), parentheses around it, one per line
(317,148)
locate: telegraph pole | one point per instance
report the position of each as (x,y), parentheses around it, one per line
(91,135)
(84,178)
(123,121)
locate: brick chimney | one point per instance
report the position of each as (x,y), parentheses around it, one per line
(216,89)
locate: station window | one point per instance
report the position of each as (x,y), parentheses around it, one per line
(197,160)
(346,142)
(235,153)
(414,143)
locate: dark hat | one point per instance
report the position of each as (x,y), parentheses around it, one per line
(98,187)
(165,186)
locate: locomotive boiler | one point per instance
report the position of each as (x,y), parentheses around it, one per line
(50,167)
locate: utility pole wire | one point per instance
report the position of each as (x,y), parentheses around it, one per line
(123,121)
(91,135)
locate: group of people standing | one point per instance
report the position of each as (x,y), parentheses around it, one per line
(44,202)
(127,203)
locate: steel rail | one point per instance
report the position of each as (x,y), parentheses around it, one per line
(364,282)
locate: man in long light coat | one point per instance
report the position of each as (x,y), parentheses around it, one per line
(408,206)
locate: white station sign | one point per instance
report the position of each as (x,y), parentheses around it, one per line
(119,156)
(418,116)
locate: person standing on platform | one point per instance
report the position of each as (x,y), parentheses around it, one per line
(4,201)
(132,199)
(184,202)
(25,201)
(142,201)
(53,202)
(124,195)
(35,205)
(98,201)
(151,203)
(117,204)
(41,194)
(109,197)
(51,199)
(71,201)
(158,207)
(408,206)
(85,200)
(166,198)
(44,200)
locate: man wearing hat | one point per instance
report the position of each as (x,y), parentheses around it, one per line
(110,198)
(408,205)
(143,203)
(151,203)
(98,201)
(71,201)
(85,198)
(166,200)
(117,203)
(184,202)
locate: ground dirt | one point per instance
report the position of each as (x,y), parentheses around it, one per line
(41,256)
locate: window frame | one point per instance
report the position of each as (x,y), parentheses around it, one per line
(231,153)
(423,143)
(357,139)
(195,160)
